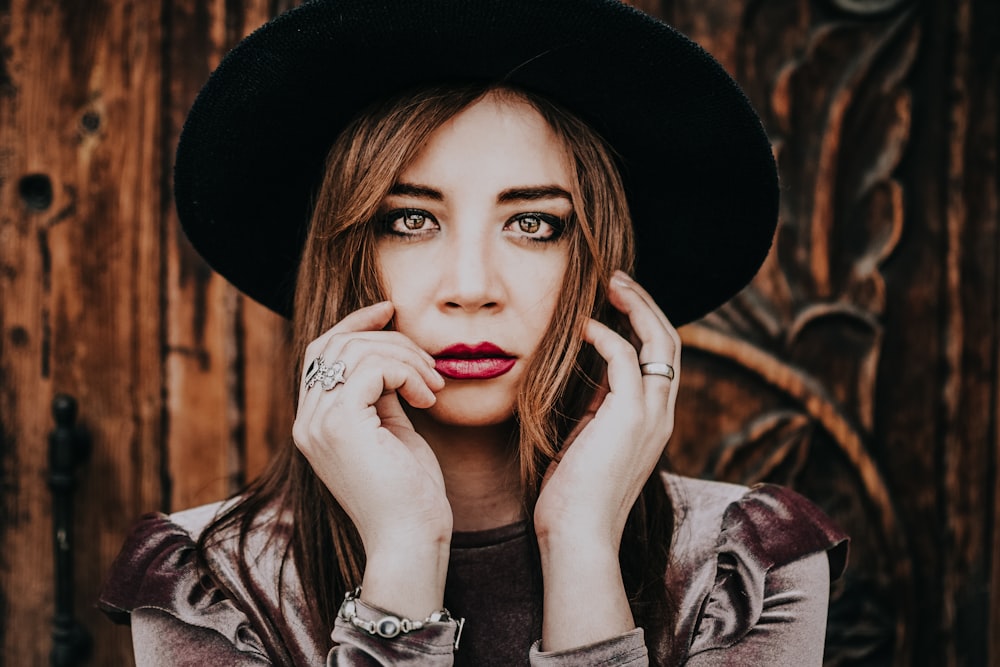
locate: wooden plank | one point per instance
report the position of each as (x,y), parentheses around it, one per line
(788,382)
(229,359)
(29,198)
(981,300)
(269,381)
(969,440)
(952,388)
(976,427)
(80,108)
(203,413)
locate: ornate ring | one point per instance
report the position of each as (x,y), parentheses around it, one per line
(657,368)
(329,376)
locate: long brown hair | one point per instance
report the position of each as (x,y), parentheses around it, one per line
(339,255)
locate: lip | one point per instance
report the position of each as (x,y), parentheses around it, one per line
(481,361)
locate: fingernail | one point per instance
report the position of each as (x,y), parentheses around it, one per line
(620,279)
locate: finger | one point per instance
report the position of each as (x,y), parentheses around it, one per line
(650,301)
(393,337)
(334,412)
(391,411)
(647,320)
(375,377)
(600,391)
(369,318)
(333,342)
(623,366)
(345,347)
(660,343)
(356,351)
(351,348)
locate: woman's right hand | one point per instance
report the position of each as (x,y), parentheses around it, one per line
(363,447)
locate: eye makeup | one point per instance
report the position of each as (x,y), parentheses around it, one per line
(536,227)
(414,223)
(406,222)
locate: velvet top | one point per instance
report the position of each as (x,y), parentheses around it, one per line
(749,575)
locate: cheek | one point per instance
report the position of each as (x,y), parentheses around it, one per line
(552,274)
(407,285)
(399,274)
(548,280)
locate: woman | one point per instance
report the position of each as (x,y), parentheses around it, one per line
(484,392)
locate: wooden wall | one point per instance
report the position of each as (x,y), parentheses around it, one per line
(861,367)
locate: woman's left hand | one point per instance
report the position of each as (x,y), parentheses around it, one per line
(591,486)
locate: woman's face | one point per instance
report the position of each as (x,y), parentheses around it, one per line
(472,255)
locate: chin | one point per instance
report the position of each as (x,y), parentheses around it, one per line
(472,406)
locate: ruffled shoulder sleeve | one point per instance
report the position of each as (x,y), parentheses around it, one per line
(734,576)
(157,569)
(772,526)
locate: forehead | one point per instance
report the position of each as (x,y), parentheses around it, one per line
(498,137)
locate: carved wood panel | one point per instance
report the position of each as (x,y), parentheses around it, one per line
(797,354)
(843,370)
(861,367)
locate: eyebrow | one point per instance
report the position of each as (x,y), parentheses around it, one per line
(521,193)
(420,191)
(533,193)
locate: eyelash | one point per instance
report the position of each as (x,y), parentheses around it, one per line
(387,220)
(556,223)
(386,224)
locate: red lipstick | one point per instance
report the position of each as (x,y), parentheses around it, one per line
(481,361)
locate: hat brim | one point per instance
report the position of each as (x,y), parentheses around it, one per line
(696,163)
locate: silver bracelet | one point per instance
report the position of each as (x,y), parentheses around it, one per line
(390,626)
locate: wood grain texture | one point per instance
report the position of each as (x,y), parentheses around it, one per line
(858,343)
(862,366)
(228,359)
(269,385)
(972,345)
(81,292)
(203,405)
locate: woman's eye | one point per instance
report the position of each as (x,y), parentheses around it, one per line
(529,225)
(536,226)
(414,220)
(408,221)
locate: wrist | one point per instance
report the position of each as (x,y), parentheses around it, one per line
(568,539)
(572,557)
(407,578)
(566,561)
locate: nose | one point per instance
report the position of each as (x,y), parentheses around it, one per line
(471,279)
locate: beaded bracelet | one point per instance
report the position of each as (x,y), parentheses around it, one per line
(390,626)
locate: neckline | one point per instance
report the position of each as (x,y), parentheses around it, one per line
(476,539)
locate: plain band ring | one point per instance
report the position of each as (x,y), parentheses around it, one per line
(657,368)
(329,376)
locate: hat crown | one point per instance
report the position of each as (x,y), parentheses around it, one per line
(696,163)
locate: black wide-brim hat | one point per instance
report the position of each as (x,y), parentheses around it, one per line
(697,165)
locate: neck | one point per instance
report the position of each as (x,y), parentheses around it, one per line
(480,470)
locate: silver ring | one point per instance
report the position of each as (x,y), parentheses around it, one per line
(328,376)
(657,368)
